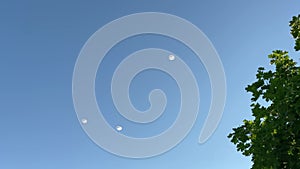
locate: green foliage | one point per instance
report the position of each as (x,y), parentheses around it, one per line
(295,30)
(272,139)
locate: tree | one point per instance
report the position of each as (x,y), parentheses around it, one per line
(295,31)
(272,139)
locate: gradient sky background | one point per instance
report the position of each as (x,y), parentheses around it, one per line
(40,42)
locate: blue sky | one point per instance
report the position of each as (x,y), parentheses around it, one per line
(40,42)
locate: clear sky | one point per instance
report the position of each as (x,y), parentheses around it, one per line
(40,42)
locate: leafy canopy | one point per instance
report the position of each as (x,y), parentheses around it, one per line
(295,30)
(272,139)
